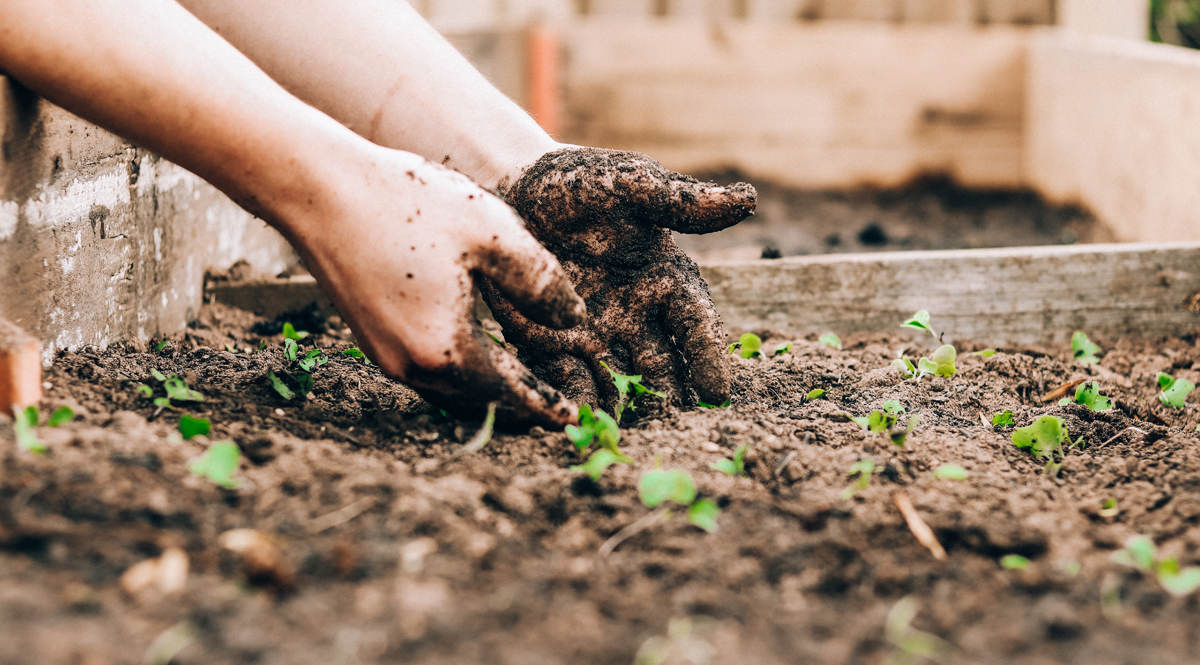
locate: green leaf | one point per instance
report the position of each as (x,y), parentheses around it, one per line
(163,403)
(786,348)
(986,353)
(61,416)
(705,405)
(304,383)
(624,383)
(950,472)
(580,436)
(598,463)
(218,464)
(1083,349)
(177,389)
(279,386)
(925,367)
(159,347)
(943,359)
(898,438)
(1139,553)
(1164,380)
(1043,437)
(658,486)
(750,345)
(158,376)
(24,425)
(864,421)
(311,360)
(1088,394)
(735,466)
(262,344)
(725,466)
(893,407)
(703,514)
(1003,418)
(290,349)
(191,426)
(830,339)
(905,367)
(879,421)
(145,390)
(495,339)
(357,353)
(919,321)
(290,332)
(1180,582)
(815,393)
(1015,562)
(1175,394)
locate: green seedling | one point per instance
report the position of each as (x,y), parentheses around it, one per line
(305,363)
(885,421)
(25,423)
(815,393)
(218,464)
(940,363)
(1141,553)
(262,345)
(1015,562)
(1083,349)
(596,425)
(279,386)
(733,467)
(786,348)
(1002,419)
(61,416)
(912,645)
(659,486)
(986,353)
(1045,439)
(1174,391)
(864,468)
(748,346)
(703,513)
(176,388)
(357,353)
(1088,394)
(1109,508)
(950,472)
(919,321)
(290,332)
(598,463)
(624,383)
(191,426)
(705,405)
(830,339)
(145,391)
(161,345)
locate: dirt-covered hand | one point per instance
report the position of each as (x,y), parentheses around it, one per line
(397,249)
(608,216)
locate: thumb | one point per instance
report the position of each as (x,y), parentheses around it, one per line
(690,206)
(530,277)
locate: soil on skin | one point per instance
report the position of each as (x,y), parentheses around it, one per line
(931,212)
(393,550)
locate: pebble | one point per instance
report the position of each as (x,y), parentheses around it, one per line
(279,412)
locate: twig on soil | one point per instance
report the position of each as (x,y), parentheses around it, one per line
(1118,434)
(645,522)
(1062,390)
(918,526)
(342,515)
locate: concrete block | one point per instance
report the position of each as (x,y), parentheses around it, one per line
(20,368)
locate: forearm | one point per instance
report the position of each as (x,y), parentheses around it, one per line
(380,69)
(150,72)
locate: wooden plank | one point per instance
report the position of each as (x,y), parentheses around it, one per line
(997,296)
(1022,295)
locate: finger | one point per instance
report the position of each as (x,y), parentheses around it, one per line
(572,376)
(691,206)
(694,322)
(529,277)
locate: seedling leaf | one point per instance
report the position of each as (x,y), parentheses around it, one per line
(218,464)
(61,416)
(703,514)
(1015,562)
(919,321)
(598,463)
(290,332)
(1139,553)
(658,486)
(145,390)
(1179,582)
(1109,508)
(950,472)
(830,339)
(905,367)
(357,353)
(1088,394)
(1084,349)
(925,366)
(158,376)
(986,353)
(815,393)
(750,345)
(864,468)
(1164,380)
(1045,436)
(898,438)
(178,390)
(159,347)
(191,426)
(1174,391)
(893,407)
(705,405)
(290,349)
(279,386)
(624,382)
(786,348)
(943,360)
(24,425)
(733,467)
(1003,418)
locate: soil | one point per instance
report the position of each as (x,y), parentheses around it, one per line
(374,541)
(931,212)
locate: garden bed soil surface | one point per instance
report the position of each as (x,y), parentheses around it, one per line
(931,212)
(377,545)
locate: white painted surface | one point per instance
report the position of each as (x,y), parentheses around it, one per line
(1129,19)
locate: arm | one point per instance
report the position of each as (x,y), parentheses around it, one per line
(392,239)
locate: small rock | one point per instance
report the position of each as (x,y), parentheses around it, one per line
(262,560)
(166,574)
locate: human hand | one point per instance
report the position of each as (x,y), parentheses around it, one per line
(395,243)
(607,216)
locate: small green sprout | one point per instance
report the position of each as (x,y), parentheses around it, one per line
(986,353)
(161,345)
(302,376)
(940,363)
(830,339)
(1174,391)
(1083,349)
(733,467)
(1015,562)
(864,468)
(218,464)
(705,405)
(786,348)
(145,391)
(1045,439)
(598,463)
(279,386)
(912,645)
(919,321)
(1109,508)
(815,393)
(879,422)
(1088,394)
(1002,419)
(943,359)
(357,353)
(950,472)
(494,338)
(230,348)
(703,513)
(290,332)
(61,416)
(660,485)
(1141,553)
(749,345)
(624,382)
(191,426)
(25,423)
(262,345)
(596,425)
(178,390)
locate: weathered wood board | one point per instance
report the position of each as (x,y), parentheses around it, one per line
(1016,295)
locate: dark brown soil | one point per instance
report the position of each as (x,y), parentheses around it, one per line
(930,213)
(491,557)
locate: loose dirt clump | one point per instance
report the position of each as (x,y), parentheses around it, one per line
(356,535)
